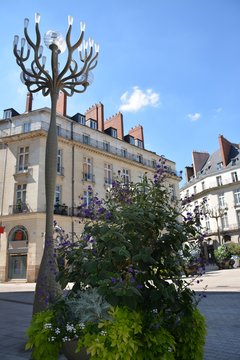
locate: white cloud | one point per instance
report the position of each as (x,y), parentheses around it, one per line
(194,117)
(138,99)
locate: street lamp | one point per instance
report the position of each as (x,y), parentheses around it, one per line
(72,78)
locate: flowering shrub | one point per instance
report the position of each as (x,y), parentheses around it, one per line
(130,257)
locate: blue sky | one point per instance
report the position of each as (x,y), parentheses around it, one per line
(172,66)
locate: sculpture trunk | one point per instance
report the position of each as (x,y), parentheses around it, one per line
(46,287)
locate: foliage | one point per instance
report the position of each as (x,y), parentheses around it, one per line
(129,249)
(129,299)
(129,337)
(40,337)
(233,248)
(190,336)
(222,253)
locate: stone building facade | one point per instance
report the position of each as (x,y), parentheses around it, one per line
(92,152)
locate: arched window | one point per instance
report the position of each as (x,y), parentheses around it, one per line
(18,238)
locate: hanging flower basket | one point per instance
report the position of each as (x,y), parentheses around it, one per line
(2,228)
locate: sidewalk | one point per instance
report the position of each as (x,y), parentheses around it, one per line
(221,308)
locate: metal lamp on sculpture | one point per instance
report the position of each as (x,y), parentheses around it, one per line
(71,79)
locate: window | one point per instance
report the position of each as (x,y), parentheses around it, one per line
(21,193)
(81,119)
(58,130)
(113,132)
(219,180)
(87,169)
(203,185)
(207,223)
(124,153)
(187,193)
(234,176)
(87,197)
(23,157)
(172,192)
(224,220)
(125,176)
(86,139)
(139,143)
(219,165)
(195,189)
(131,140)
(7,114)
(221,200)
(26,127)
(238,218)
(58,193)
(108,174)
(106,146)
(154,164)
(93,124)
(140,158)
(59,162)
(237,196)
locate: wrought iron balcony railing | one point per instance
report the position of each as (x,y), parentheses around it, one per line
(19,208)
(88,141)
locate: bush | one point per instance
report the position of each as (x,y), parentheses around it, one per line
(130,259)
(233,248)
(222,254)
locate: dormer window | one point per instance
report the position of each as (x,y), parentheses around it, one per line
(92,124)
(139,143)
(79,118)
(219,165)
(131,140)
(113,132)
(7,114)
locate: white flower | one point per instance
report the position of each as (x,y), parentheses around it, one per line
(51,339)
(104,333)
(70,328)
(57,331)
(47,326)
(82,325)
(65,339)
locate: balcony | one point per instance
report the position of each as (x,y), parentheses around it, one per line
(19,208)
(61,209)
(88,177)
(86,140)
(22,171)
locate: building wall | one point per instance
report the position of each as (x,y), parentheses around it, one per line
(15,135)
(219,190)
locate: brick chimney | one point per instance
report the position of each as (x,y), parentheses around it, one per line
(62,103)
(199,159)
(115,122)
(29,101)
(96,112)
(225,148)
(137,133)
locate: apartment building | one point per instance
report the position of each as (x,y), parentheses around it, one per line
(215,178)
(92,151)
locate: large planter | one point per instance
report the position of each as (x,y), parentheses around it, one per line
(69,350)
(224,264)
